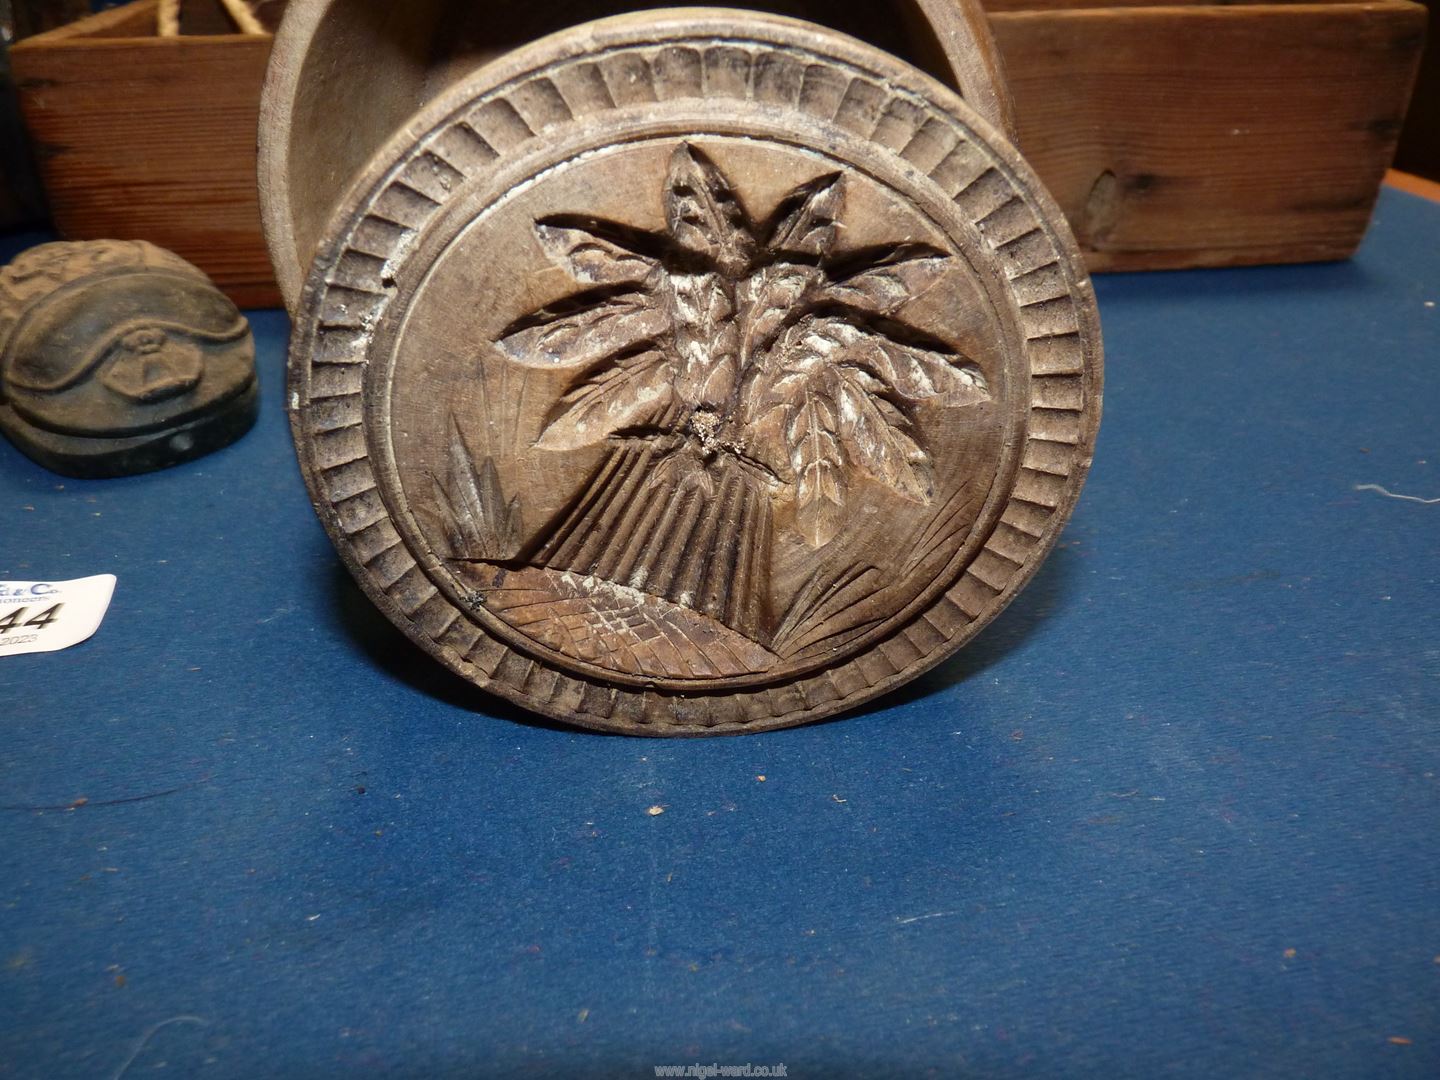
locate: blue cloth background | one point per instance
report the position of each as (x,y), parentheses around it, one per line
(1176,813)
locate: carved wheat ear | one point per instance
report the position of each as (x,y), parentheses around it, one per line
(635,389)
(585,329)
(807,220)
(598,252)
(819,463)
(877,436)
(883,280)
(704,334)
(703,214)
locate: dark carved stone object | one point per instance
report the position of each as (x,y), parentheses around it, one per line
(695,372)
(117,357)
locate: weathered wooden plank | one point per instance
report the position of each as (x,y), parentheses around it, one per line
(1205,135)
(1189,134)
(144,138)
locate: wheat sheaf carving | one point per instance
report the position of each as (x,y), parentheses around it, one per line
(751,345)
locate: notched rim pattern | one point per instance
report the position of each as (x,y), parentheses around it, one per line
(876,98)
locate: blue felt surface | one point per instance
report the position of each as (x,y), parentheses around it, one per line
(1175,813)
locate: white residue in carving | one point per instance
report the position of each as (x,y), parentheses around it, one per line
(685,300)
(821,344)
(398,254)
(1391,495)
(601,587)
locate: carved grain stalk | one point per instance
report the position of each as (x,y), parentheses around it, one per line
(790,409)
(730,363)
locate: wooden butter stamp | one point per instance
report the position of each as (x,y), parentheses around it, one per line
(695,372)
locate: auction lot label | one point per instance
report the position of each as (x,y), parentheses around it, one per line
(46,616)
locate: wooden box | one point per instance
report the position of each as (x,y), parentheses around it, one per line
(1201,134)
(1188,134)
(143,137)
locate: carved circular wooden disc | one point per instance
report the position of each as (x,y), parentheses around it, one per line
(686,373)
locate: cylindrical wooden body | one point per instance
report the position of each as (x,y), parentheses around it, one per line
(346,74)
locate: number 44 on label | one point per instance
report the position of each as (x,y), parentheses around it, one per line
(44,616)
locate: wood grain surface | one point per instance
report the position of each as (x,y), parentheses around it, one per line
(309,150)
(1181,135)
(1201,135)
(143,138)
(693,373)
